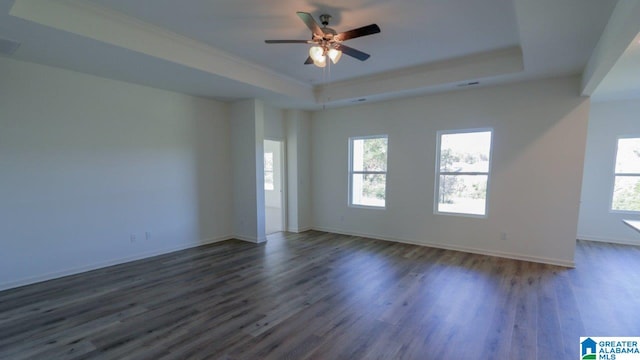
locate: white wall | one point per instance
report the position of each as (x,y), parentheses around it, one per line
(274,128)
(85,162)
(247,144)
(298,130)
(538,150)
(294,128)
(607,121)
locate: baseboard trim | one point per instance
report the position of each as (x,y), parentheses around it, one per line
(506,255)
(81,269)
(104,264)
(610,240)
(251,239)
(299,230)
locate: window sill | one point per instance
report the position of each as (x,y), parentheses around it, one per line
(475,216)
(634,224)
(370,207)
(624,212)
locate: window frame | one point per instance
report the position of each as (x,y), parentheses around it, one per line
(351,172)
(438,173)
(613,178)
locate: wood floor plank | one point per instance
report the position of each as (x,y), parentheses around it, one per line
(318,295)
(525,338)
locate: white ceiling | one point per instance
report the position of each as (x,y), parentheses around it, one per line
(216,48)
(414,32)
(623,81)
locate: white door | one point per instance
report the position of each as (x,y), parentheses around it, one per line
(273,186)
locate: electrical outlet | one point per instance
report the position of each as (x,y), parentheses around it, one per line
(147,235)
(132,238)
(503,236)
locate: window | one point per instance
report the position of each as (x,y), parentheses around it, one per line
(626,187)
(368,171)
(462,172)
(268,171)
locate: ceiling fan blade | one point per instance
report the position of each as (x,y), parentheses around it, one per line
(288,41)
(352,52)
(310,22)
(362,31)
(309,61)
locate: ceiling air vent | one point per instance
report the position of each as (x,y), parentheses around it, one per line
(473,83)
(8,47)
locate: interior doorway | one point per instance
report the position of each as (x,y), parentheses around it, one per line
(274,186)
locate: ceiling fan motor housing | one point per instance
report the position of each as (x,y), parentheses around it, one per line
(329,33)
(324,19)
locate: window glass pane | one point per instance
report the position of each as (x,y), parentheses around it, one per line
(268,180)
(268,171)
(368,189)
(268,161)
(626,193)
(370,154)
(465,152)
(628,156)
(464,194)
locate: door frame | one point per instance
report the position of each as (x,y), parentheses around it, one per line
(283,179)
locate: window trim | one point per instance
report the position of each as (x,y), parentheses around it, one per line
(436,189)
(351,172)
(614,175)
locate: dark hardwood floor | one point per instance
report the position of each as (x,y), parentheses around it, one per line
(324,296)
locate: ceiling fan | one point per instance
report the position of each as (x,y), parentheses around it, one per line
(327,42)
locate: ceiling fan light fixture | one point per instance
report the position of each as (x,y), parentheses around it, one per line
(322,62)
(317,54)
(335,55)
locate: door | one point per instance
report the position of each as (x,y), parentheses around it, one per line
(273,186)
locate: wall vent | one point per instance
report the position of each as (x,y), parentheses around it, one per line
(8,47)
(469,84)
